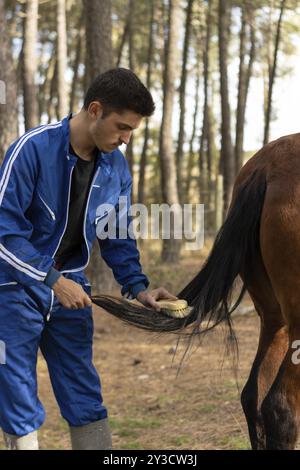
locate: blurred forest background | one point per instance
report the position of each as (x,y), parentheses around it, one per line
(197,58)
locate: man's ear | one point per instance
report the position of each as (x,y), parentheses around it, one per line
(95,110)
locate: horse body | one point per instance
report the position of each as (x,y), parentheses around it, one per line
(271,397)
(260,242)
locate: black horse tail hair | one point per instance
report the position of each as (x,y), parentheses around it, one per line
(210,292)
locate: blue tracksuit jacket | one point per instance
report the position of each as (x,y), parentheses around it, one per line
(35,181)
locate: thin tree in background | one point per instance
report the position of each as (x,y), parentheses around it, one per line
(143,161)
(98,37)
(51,109)
(182,98)
(227,155)
(62,88)
(171,247)
(205,148)
(245,73)
(123,41)
(76,64)
(194,128)
(129,148)
(31,113)
(272,75)
(8,88)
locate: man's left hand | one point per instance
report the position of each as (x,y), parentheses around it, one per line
(149,298)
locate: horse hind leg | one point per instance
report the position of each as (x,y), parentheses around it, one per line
(281,406)
(270,353)
(280,246)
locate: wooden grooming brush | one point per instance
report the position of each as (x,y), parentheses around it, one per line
(174,308)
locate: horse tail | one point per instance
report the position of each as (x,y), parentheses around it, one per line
(210,292)
(234,252)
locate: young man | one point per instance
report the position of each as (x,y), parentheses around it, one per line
(52,181)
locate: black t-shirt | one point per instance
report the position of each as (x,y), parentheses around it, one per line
(72,240)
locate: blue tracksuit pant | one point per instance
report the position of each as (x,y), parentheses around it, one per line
(65,340)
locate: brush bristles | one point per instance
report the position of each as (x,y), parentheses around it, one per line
(174,308)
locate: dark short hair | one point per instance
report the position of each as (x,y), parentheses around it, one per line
(120,89)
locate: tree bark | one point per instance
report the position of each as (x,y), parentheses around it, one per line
(98,37)
(227,155)
(171,247)
(123,41)
(51,108)
(8,89)
(30,64)
(273,73)
(204,137)
(143,162)
(245,73)
(182,93)
(77,61)
(62,88)
(192,139)
(129,149)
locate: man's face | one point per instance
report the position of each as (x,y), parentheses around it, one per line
(114,130)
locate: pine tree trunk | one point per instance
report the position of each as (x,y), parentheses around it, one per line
(130,147)
(227,155)
(77,61)
(8,89)
(273,74)
(204,137)
(123,41)
(143,162)
(30,64)
(192,139)
(62,89)
(182,93)
(245,72)
(171,247)
(98,37)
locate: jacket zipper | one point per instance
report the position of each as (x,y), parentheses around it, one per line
(47,207)
(52,292)
(84,226)
(85,217)
(70,182)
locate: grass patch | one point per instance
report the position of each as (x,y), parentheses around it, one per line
(179,441)
(208,408)
(129,427)
(235,443)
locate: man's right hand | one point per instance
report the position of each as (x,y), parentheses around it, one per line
(70,294)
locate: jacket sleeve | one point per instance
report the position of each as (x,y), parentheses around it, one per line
(18,176)
(121,254)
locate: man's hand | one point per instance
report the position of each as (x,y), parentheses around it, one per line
(70,294)
(149,298)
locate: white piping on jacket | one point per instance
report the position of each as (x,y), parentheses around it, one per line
(4,253)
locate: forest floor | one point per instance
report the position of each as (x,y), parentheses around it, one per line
(150,407)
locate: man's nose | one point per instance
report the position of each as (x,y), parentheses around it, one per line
(126,137)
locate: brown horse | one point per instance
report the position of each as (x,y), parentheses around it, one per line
(260,242)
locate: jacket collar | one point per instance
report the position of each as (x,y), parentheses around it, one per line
(103,159)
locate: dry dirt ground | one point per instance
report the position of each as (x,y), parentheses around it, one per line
(150,407)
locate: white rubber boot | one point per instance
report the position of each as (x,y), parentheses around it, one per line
(93,436)
(28,442)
